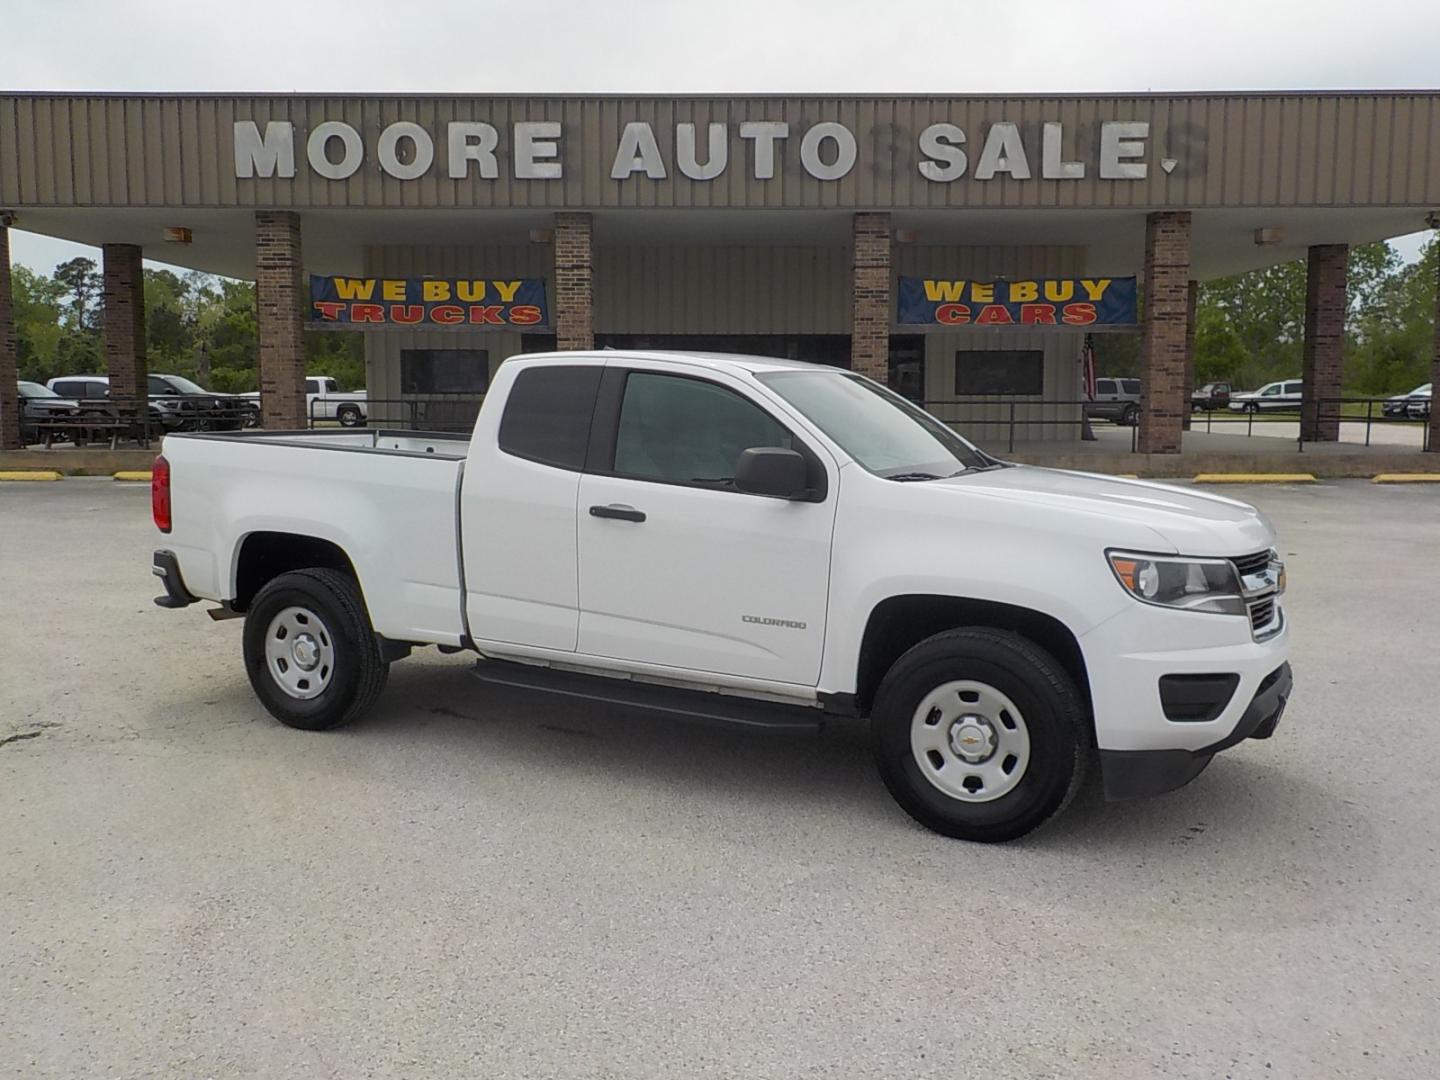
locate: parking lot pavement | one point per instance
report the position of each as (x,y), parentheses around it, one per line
(475,883)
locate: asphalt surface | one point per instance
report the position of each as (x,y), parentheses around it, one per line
(476,883)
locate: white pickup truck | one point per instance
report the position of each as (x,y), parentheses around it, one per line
(324,400)
(753,540)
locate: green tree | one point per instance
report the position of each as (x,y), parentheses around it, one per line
(37,302)
(84,285)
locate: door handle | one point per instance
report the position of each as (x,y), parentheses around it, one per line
(617,511)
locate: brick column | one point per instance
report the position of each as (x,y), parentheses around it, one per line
(1164,399)
(1191,297)
(9,362)
(124,304)
(1324,341)
(870,297)
(280,297)
(574,300)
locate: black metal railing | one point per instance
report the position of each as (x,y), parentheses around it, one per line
(415,412)
(1321,420)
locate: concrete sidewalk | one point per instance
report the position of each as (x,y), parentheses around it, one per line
(1216,452)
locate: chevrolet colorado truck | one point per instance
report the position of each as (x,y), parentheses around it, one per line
(751,540)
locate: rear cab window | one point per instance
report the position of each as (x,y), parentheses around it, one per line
(548,412)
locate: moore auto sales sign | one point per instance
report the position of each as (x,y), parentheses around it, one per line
(641,151)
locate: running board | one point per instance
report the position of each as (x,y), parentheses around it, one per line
(696,704)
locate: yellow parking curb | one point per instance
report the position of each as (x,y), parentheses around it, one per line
(31,474)
(1406,478)
(1255,478)
(142,476)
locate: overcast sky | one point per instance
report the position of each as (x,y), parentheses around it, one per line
(734,46)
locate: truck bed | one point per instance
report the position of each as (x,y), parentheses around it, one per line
(441,444)
(385,498)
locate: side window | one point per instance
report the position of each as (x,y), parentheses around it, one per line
(547,415)
(687,431)
(314,386)
(1271,390)
(1131,386)
(1292,387)
(158,386)
(1104,386)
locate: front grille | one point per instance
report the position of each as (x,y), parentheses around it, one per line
(1251,564)
(1262,611)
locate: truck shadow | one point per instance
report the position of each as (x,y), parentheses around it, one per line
(822,773)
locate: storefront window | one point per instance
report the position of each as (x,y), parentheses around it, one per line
(444,371)
(1013,372)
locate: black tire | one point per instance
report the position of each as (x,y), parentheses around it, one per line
(359,671)
(349,416)
(1053,714)
(1129,415)
(1251,408)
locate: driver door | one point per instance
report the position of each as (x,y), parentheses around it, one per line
(679,569)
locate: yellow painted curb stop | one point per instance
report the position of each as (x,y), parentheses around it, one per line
(1406,478)
(1255,478)
(30,474)
(142,476)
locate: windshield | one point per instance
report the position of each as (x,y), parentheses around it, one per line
(181,385)
(882,431)
(34,389)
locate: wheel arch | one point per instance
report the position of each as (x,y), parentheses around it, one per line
(898,623)
(264,555)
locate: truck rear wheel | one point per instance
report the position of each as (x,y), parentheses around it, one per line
(979,734)
(310,650)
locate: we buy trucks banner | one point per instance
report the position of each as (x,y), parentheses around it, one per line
(1082,302)
(474,303)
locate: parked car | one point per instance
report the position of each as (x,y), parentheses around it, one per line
(39,404)
(1211,396)
(1396,406)
(671,531)
(1115,399)
(176,403)
(1419,406)
(324,400)
(1284,394)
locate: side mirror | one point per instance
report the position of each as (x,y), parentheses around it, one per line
(773,471)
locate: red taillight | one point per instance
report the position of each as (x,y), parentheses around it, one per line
(160,493)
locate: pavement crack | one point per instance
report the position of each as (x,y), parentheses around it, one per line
(34,733)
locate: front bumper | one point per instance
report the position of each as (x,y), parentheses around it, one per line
(1133,774)
(1154,735)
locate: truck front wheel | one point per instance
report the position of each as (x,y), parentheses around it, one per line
(310,650)
(979,734)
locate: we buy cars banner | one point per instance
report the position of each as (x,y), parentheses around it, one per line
(474,303)
(1084,302)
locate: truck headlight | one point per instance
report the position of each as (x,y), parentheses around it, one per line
(1210,585)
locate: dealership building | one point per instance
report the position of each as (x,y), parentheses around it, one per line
(960,249)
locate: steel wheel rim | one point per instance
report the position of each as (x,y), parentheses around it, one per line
(970,741)
(300,653)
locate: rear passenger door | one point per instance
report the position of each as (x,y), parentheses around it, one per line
(517,505)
